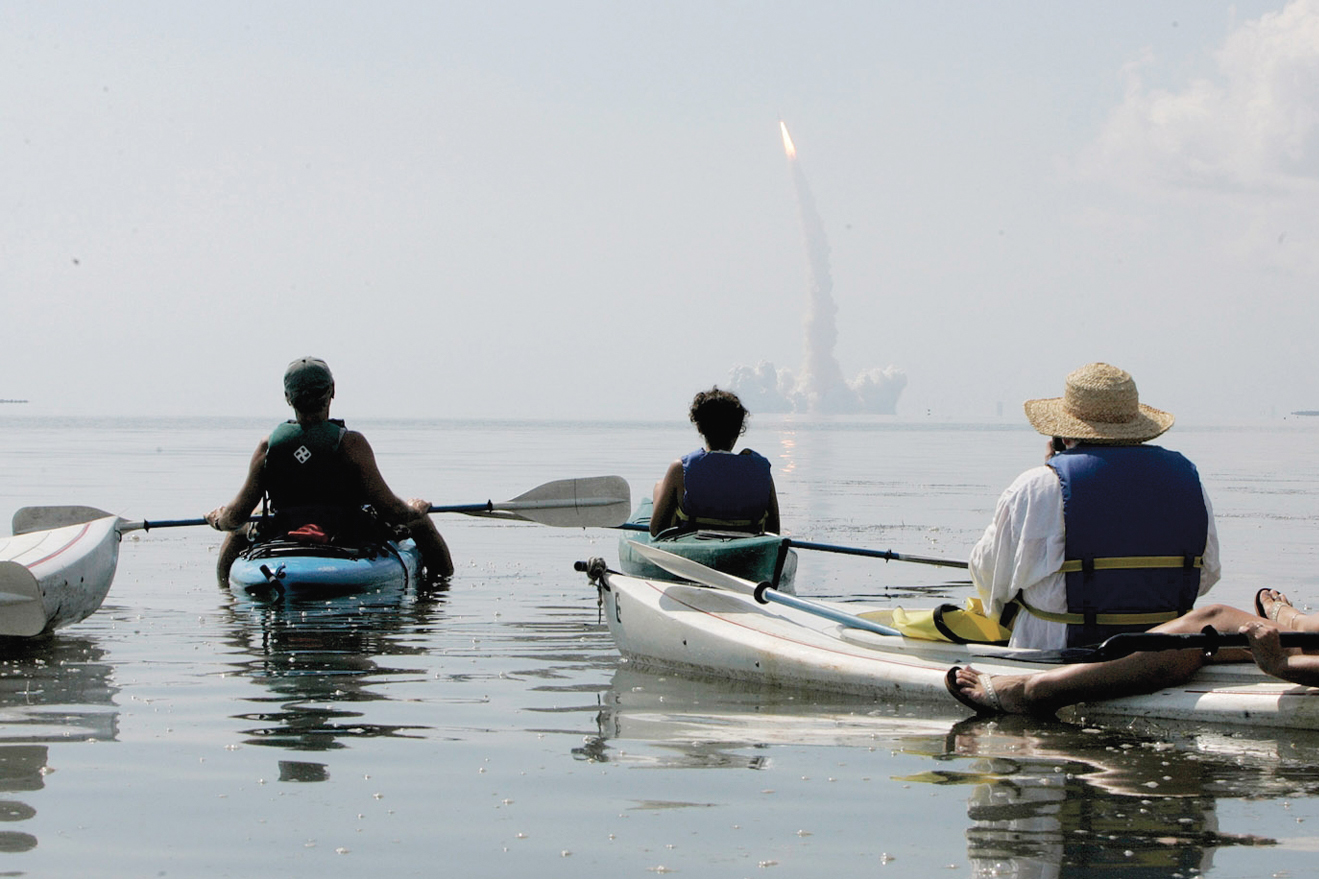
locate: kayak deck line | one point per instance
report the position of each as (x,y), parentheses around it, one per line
(72,542)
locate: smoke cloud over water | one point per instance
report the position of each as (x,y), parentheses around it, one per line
(820,387)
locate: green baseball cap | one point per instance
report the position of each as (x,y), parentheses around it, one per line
(307,377)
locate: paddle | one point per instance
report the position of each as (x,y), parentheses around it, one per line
(596,501)
(1208,639)
(762,593)
(887,555)
(22,613)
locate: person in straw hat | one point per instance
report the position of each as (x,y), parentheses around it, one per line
(1097,431)
(1110,535)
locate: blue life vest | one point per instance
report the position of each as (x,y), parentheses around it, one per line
(723,490)
(307,481)
(1136,528)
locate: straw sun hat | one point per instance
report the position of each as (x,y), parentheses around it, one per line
(1099,404)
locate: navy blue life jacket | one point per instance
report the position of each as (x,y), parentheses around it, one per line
(306,481)
(1136,528)
(725,491)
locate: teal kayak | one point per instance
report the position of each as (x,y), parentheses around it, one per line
(310,570)
(749,556)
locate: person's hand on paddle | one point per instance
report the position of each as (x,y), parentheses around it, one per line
(215,518)
(420,508)
(1266,647)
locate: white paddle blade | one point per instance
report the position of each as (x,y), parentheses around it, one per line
(22,613)
(29,519)
(593,502)
(694,571)
(497,513)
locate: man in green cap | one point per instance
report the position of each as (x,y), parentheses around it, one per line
(314,470)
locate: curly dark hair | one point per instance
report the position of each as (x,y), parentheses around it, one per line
(719,416)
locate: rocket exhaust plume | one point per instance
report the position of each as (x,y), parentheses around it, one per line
(821,379)
(821,386)
(787,141)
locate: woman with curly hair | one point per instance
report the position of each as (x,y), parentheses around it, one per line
(713,487)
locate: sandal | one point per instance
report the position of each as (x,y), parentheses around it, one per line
(986,684)
(1278,604)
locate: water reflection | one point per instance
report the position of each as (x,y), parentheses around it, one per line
(1061,800)
(1047,799)
(51,690)
(318,663)
(699,724)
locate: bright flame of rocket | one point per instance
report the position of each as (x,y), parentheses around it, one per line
(787,141)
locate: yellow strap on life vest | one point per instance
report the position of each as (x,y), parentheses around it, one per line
(1101,619)
(1131,563)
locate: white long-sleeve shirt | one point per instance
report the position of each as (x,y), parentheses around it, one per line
(1023,550)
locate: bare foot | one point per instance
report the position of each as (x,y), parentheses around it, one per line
(985,694)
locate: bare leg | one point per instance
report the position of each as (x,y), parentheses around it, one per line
(1046,692)
(234,543)
(434,551)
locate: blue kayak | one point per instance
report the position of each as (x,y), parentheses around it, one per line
(749,556)
(309,569)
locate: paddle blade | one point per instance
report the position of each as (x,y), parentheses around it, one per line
(22,613)
(699,573)
(694,571)
(29,519)
(593,502)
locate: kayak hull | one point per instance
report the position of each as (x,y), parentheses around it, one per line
(309,570)
(708,633)
(56,577)
(749,556)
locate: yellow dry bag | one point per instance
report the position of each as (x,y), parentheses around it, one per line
(947,622)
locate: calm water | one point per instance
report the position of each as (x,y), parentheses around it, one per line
(489,729)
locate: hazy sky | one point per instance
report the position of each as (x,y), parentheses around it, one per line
(583,209)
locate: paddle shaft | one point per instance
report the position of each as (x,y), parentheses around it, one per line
(765,595)
(887,555)
(1207,640)
(166,523)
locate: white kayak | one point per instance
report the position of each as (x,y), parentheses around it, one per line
(53,577)
(717,632)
